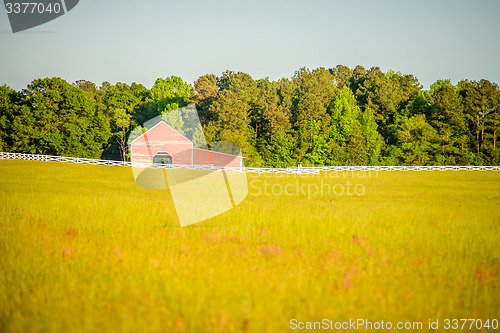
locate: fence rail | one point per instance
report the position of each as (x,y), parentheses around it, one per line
(297,170)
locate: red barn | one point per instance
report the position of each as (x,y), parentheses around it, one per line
(163,144)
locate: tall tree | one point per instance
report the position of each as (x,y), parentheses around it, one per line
(481,100)
(385,93)
(8,100)
(122,124)
(353,131)
(168,94)
(205,92)
(316,89)
(373,139)
(269,116)
(121,104)
(445,113)
(342,75)
(279,150)
(357,147)
(234,112)
(417,140)
(54,117)
(232,123)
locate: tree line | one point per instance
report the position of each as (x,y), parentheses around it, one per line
(335,116)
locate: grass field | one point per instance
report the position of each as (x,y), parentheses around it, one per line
(82,248)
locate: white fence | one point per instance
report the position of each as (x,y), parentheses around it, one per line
(299,169)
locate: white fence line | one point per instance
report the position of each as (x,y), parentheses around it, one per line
(298,170)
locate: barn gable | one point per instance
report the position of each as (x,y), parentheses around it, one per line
(163,139)
(162,132)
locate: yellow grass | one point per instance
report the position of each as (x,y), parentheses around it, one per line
(82,248)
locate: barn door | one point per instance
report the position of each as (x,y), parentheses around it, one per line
(162,157)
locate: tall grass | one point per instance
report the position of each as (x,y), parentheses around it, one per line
(82,248)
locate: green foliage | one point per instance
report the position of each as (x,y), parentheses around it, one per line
(335,116)
(167,95)
(357,148)
(54,117)
(416,140)
(373,139)
(204,94)
(8,100)
(174,119)
(481,105)
(385,94)
(345,113)
(280,150)
(315,91)
(123,106)
(354,132)
(315,143)
(233,113)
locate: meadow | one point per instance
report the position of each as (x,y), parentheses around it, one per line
(82,248)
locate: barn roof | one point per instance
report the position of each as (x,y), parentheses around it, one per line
(161,122)
(186,139)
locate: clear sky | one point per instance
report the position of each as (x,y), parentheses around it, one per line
(139,41)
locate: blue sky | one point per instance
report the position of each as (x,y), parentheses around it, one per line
(139,41)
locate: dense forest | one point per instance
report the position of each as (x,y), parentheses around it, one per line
(336,116)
